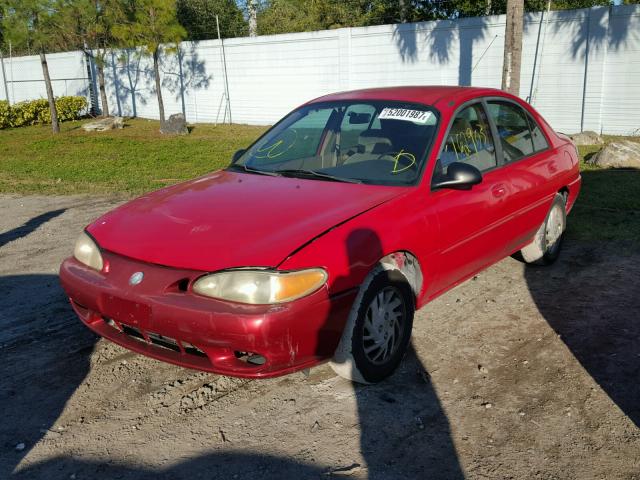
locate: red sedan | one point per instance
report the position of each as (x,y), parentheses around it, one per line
(321,239)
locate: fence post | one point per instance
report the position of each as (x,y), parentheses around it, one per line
(4,78)
(181,78)
(344,58)
(93,95)
(535,59)
(224,68)
(586,70)
(604,55)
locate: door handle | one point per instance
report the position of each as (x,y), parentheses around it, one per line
(499,190)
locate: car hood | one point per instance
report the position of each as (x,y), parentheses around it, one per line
(230,219)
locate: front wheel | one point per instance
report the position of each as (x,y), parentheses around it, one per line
(378,332)
(546,245)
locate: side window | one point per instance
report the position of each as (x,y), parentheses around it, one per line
(513,130)
(469,141)
(539,140)
(356,120)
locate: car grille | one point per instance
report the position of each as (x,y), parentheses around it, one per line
(155,338)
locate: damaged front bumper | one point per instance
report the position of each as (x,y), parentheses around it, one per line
(160,317)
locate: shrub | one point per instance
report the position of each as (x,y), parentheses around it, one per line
(33,112)
(36,112)
(6,114)
(70,108)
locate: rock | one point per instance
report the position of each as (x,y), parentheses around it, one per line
(345,471)
(175,125)
(620,154)
(586,138)
(104,124)
(315,427)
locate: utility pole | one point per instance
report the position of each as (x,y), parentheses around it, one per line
(253,18)
(513,47)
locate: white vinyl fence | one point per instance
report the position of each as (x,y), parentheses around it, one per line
(580,69)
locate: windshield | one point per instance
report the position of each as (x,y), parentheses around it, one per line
(378,142)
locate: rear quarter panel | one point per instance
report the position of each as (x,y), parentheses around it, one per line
(536,180)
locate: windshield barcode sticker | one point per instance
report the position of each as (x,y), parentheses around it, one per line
(417,116)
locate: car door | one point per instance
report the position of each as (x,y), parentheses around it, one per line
(470,221)
(528,164)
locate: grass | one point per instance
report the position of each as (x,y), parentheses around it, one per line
(609,204)
(138,158)
(133,160)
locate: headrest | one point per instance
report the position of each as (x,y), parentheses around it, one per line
(373,142)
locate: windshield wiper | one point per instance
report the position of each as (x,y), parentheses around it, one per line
(313,173)
(244,168)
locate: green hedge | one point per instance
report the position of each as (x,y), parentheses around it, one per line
(36,112)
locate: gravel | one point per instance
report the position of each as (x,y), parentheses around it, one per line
(80,406)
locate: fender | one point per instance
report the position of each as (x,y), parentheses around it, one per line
(350,251)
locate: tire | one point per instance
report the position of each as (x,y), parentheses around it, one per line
(547,242)
(376,338)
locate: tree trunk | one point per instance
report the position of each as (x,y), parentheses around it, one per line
(253,18)
(513,47)
(55,126)
(103,94)
(156,72)
(402,8)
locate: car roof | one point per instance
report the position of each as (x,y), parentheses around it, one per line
(426,94)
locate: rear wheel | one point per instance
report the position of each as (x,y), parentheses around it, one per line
(546,245)
(378,332)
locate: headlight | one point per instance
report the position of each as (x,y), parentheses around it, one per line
(87,252)
(260,287)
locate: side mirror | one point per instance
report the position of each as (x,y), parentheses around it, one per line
(238,154)
(460,176)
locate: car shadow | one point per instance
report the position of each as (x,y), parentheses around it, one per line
(46,353)
(597,321)
(590,295)
(221,466)
(404,431)
(45,356)
(29,226)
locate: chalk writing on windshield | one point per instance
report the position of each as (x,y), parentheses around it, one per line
(403,156)
(279,147)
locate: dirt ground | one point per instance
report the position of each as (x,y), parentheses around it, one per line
(523,373)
